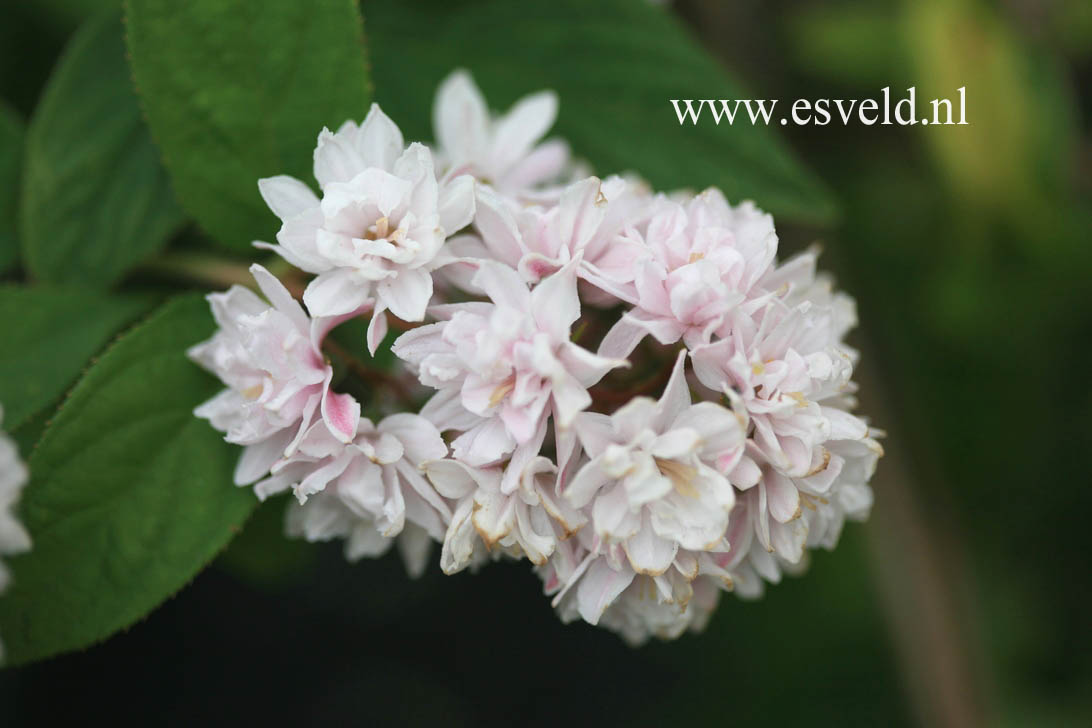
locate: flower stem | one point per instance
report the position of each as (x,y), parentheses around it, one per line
(361,370)
(212,271)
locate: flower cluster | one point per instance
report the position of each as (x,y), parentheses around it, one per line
(13,476)
(625,388)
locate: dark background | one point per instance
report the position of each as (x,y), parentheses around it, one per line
(964,601)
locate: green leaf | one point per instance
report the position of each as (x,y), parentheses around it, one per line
(28,434)
(239,91)
(96,200)
(616,65)
(855,42)
(49,336)
(11,161)
(130,494)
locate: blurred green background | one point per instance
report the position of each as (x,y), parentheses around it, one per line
(963,602)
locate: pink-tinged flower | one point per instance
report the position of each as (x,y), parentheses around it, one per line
(368,491)
(705,259)
(642,611)
(599,586)
(527,523)
(375,234)
(786,365)
(593,222)
(503,367)
(278,382)
(658,478)
(764,548)
(502,151)
(13,477)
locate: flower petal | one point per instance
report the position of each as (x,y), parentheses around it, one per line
(336,292)
(456,206)
(649,553)
(286,196)
(379,140)
(598,589)
(407,294)
(460,117)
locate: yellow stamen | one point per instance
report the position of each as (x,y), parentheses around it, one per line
(382,226)
(502,391)
(682,476)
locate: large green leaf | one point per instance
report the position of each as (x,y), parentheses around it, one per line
(11,161)
(237,91)
(616,65)
(96,198)
(49,335)
(130,494)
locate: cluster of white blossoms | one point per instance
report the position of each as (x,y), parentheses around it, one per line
(13,477)
(624,388)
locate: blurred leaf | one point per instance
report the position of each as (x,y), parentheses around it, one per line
(854,43)
(130,494)
(1071,22)
(96,199)
(239,91)
(1017,102)
(49,336)
(11,161)
(615,65)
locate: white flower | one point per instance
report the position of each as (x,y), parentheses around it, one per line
(503,367)
(786,367)
(785,363)
(592,221)
(375,234)
(13,477)
(604,590)
(763,548)
(641,611)
(368,491)
(635,520)
(278,382)
(658,479)
(527,523)
(500,151)
(705,259)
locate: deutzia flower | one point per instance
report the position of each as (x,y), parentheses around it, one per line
(368,491)
(603,590)
(635,512)
(502,368)
(789,372)
(704,260)
(749,562)
(501,151)
(658,476)
(13,477)
(526,523)
(589,223)
(375,234)
(639,612)
(277,379)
